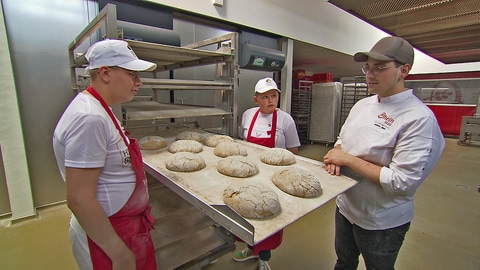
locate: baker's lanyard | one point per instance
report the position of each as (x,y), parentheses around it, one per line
(109,111)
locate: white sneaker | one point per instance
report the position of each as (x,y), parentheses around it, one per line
(264,265)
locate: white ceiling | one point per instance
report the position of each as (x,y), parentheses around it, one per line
(316,59)
(444,30)
(448,31)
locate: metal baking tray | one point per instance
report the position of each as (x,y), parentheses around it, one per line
(204,189)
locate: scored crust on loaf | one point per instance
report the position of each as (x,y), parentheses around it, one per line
(226,149)
(190,135)
(297,182)
(185,162)
(252,200)
(185,146)
(215,139)
(237,166)
(152,143)
(277,156)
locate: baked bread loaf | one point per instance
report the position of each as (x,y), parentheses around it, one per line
(297,182)
(237,166)
(185,146)
(277,156)
(184,162)
(215,139)
(190,135)
(226,149)
(152,143)
(252,200)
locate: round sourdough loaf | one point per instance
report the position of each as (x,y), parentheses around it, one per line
(226,149)
(252,200)
(152,143)
(297,182)
(184,162)
(190,135)
(237,166)
(215,139)
(185,146)
(277,156)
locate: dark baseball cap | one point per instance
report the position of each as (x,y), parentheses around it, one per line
(388,49)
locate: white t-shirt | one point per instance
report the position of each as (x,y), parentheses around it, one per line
(286,132)
(85,137)
(401,134)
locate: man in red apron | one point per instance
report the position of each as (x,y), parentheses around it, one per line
(271,127)
(105,182)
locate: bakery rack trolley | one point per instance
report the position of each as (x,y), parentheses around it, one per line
(301,102)
(354,89)
(184,237)
(146,112)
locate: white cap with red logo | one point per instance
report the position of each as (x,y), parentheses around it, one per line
(266,84)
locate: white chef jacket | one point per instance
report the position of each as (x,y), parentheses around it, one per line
(401,134)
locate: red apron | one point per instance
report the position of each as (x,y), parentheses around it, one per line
(133,222)
(275,240)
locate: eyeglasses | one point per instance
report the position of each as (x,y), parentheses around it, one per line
(375,70)
(134,75)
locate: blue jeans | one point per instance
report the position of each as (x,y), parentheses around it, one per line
(379,248)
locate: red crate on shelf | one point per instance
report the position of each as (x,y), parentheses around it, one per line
(322,77)
(299,74)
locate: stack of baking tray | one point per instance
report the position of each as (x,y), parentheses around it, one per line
(184,237)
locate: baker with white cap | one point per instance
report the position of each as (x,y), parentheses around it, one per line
(113,52)
(266,84)
(106,186)
(392,141)
(269,126)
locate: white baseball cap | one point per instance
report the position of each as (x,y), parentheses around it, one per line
(266,84)
(113,52)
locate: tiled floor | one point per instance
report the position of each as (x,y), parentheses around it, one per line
(444,235)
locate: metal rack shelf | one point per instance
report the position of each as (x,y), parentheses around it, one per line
(146,110)
(167,57)
(354,89)
(301,100)
(173,84)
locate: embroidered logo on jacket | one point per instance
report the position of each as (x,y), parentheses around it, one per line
(388,120)
(386,123)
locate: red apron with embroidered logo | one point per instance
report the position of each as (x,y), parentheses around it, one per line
(274,240)
(133,222)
